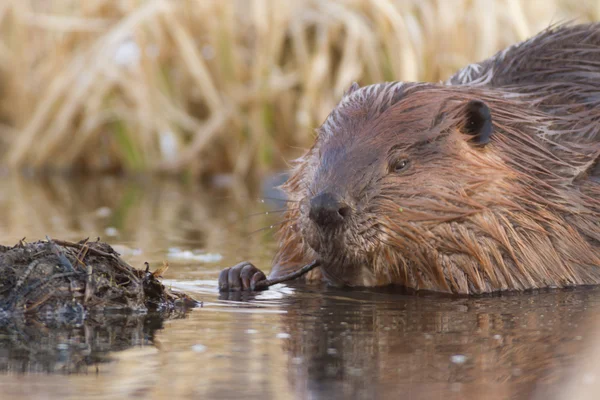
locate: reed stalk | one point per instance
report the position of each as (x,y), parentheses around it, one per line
(211,86)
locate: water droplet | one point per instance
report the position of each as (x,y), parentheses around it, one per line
(169,145)
(458,359)
(198,348)
(128,53)
(251,331)
(194,255)
(103,212)
(283,335)
(111,231)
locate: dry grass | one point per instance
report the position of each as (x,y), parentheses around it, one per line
(222,85)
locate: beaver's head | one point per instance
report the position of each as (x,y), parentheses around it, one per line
(396,171)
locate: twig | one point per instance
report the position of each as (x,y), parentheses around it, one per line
(38,303)
(21,281)
(89,288)
(62,259)
(261,285)
(82,252)
(122,265)
(41,284)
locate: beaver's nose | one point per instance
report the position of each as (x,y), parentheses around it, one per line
(328,209)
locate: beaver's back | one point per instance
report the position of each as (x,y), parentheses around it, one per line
(557,75)
(563,61)
(558,71)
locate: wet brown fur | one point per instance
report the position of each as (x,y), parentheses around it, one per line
(522,212)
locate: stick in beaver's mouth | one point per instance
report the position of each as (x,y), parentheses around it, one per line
(264,284)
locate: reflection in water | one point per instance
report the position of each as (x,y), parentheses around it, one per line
(370,344)
(291,341)
(32,346)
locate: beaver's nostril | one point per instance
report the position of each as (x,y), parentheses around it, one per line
(345,211)
(327,209)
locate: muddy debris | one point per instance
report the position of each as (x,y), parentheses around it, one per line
(66,307)
(57,279)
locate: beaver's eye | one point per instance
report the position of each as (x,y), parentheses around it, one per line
(399,165)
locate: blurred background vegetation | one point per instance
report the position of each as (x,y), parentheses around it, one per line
(222,86)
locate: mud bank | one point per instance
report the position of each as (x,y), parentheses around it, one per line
(56,279)
(65,306)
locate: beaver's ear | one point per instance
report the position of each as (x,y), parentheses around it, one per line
(478,122)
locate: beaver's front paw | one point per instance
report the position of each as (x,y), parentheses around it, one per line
(243,276)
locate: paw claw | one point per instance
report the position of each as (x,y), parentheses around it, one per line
(240,277)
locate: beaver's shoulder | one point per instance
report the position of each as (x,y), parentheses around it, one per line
(560,54)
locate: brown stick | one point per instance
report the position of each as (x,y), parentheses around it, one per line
(89,288)
(261,285)
(123,266)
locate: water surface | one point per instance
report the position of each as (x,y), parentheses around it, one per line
(292,341)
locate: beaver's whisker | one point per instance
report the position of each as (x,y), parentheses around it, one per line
(286,221)
(256,199)
(246,217)
(277,199)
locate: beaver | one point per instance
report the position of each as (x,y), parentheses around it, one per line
(487,182)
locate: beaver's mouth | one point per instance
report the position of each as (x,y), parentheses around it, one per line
(343,262)
(343,237)
(325,242)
